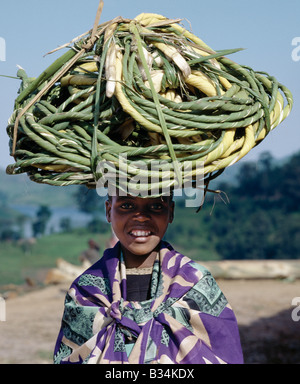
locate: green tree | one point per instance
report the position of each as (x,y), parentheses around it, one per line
(65,224)
(88,200)
(247,179)
(262,220)
(289,186)
(42,217)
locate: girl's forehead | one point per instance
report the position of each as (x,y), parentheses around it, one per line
(140,200)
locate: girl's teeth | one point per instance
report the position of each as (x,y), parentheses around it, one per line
(140,233)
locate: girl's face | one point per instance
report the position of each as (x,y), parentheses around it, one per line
(139,224)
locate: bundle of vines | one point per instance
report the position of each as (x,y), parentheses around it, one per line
(143,89)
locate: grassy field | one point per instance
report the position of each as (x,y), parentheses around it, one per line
(17,264)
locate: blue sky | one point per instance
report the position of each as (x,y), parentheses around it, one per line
(265,29)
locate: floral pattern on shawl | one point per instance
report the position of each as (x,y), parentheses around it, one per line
(187,320)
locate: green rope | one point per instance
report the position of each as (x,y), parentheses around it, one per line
(216,115)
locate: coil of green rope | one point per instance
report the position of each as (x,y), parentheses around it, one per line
(143,89)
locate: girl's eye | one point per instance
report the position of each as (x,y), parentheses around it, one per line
(156,207)
(126,206)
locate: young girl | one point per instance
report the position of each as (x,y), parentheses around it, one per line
(143,302)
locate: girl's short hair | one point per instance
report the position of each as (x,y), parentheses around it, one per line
(163,197)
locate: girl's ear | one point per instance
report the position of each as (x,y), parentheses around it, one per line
(108,210)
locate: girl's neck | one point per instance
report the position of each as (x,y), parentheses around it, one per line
(139,261)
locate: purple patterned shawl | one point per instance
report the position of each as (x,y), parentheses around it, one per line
(187,320)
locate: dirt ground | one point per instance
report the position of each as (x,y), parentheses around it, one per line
(263,308)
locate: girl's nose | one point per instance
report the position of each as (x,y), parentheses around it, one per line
(142,216)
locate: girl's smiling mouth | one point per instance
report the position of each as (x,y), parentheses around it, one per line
(140,235)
